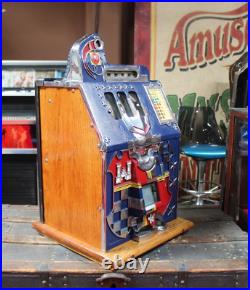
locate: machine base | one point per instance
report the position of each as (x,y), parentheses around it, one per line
(126,251)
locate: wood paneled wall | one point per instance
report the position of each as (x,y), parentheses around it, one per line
(47,31)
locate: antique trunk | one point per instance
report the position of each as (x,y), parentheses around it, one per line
(213,254)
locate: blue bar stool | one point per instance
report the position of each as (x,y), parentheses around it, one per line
(203,140)
(197,188)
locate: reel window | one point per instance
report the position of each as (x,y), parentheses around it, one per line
(150,197)
(124,101)
(136,102)
(112,106)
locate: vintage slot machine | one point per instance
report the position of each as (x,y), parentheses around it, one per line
(108,157)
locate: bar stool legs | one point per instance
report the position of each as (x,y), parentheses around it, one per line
(199,189)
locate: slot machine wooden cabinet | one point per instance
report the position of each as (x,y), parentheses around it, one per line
(108,158)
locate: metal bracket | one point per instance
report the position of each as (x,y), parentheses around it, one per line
(113,280)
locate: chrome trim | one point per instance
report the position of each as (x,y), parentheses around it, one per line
(121,172)
(147,161)
(125,70)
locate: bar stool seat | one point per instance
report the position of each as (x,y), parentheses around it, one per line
(201,153)
(204,151)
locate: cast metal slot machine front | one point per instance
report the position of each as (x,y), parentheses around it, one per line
(140,175)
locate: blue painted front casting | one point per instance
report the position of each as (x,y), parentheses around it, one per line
(88,69)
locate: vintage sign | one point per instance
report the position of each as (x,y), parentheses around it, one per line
(202,47)
(192,47)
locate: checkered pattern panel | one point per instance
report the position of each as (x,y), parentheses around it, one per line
(118,218)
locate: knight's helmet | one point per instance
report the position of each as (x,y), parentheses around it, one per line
(86,60)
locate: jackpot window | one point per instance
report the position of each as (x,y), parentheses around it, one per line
(160,104)
(150,197)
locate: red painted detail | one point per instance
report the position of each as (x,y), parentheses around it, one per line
(142,150)
(16,136)
(150,221)
(138,130)
(92,45)
(86,49)
(141,131)
(146,128)
(164,195)
(138,176)
(95,58)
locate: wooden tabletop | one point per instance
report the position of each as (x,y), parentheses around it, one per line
(213,251)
